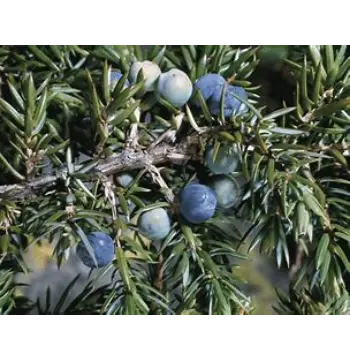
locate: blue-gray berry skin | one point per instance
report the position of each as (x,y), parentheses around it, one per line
(227,160)
(102,246)
(124,179)
(209,83)
(197,203)
(175,87)
(115,77)
(227,191)
(154,224)
(231,105)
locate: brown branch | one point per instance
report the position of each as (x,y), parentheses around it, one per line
(158,281)
(128,160)
(298,261)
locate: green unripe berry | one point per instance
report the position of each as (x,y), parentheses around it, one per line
(155,224)
(227,190)
(226,161)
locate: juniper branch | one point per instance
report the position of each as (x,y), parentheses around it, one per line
(127,160)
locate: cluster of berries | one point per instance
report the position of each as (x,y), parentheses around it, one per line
(197,202)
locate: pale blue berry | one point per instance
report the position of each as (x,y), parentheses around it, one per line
(226,161)
(114,78)
(102,246)
(124,179)
(175,87)
(70,199)
(209,83)
(197,203)
(151,73)
(231,104)
(227,190)
(155,224)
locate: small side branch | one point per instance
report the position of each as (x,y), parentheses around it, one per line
(158,281)
(298,261)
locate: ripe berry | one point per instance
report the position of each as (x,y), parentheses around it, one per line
(209,83)
(197,203)
(231,105)
(102,246)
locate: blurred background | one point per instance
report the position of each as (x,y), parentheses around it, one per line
(261,274)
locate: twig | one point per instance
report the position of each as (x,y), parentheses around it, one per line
(110,196)
(169,136)
(158,281)
(298,261)
(125,161)
(132,141)
(157,178)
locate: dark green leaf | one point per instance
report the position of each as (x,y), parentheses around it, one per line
(322,250)
(43,57)
(123,267)
(341,254)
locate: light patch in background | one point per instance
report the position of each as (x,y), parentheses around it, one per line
(46,274)
(37,256)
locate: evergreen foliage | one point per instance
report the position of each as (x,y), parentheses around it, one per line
(57,102)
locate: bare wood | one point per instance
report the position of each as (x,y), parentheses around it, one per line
(128,160)
(298,262)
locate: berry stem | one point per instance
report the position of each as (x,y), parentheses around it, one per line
(158,281)
(231,79)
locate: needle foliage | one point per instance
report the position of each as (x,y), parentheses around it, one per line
(56,103)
